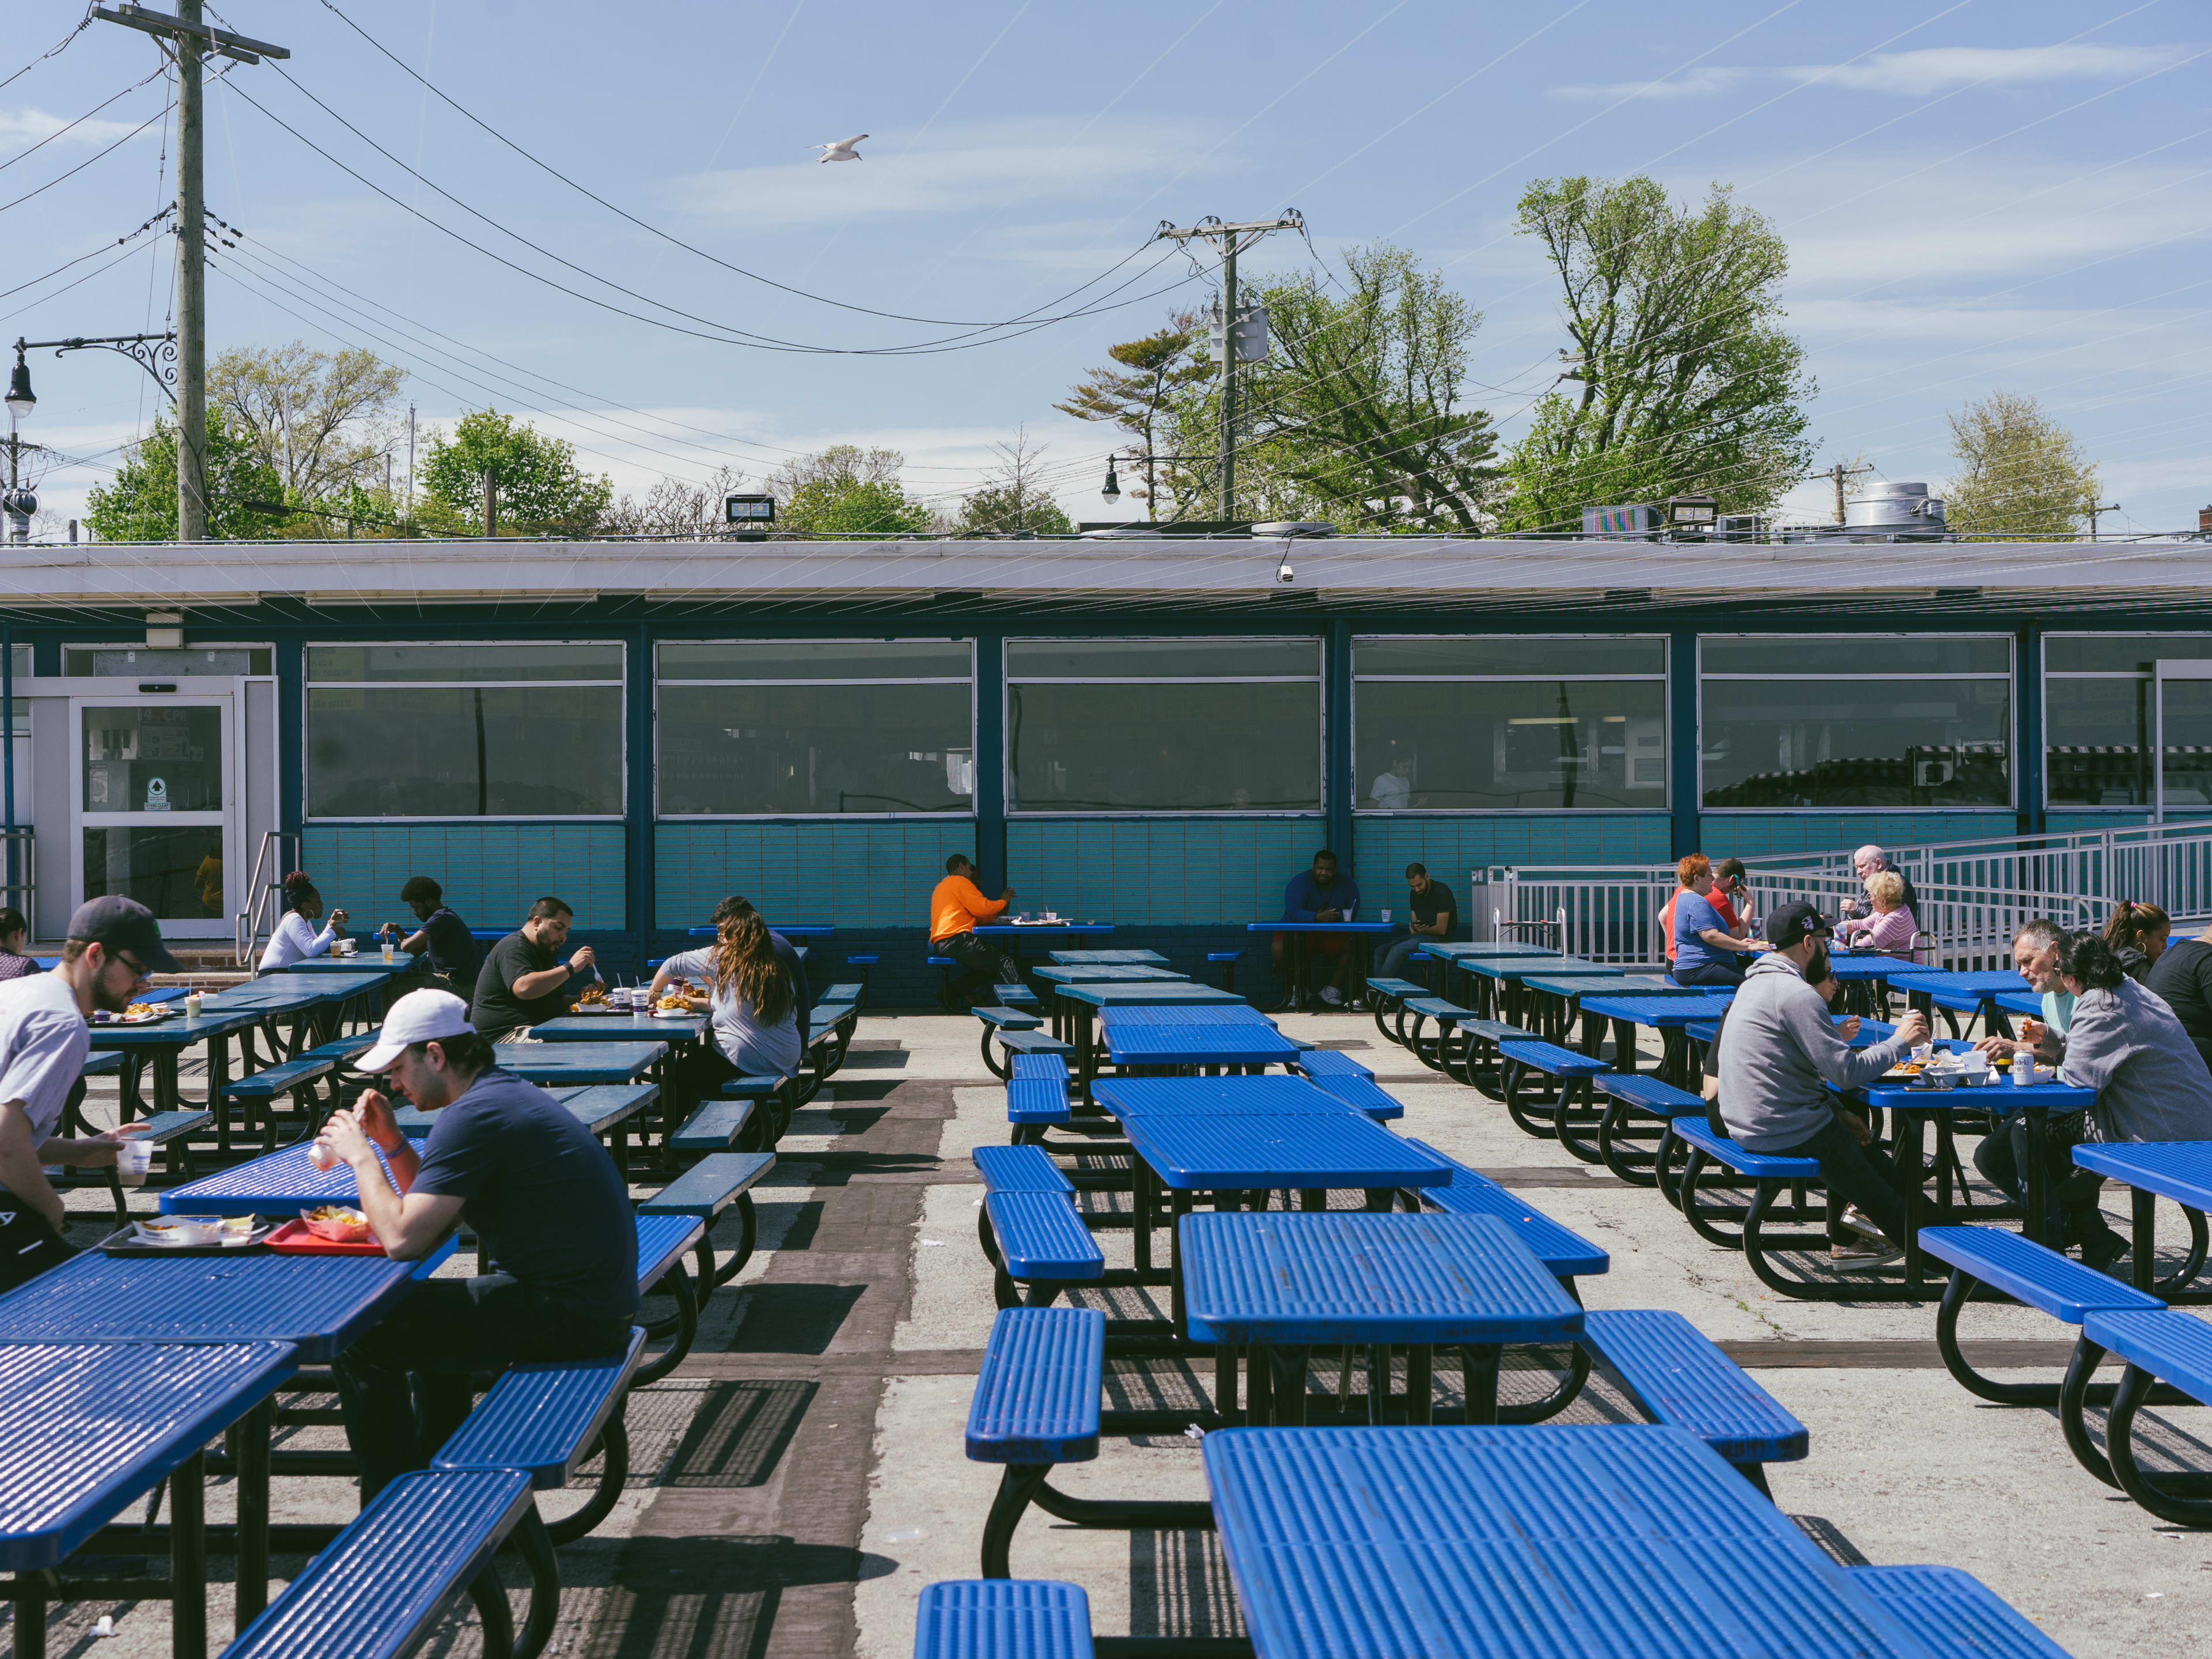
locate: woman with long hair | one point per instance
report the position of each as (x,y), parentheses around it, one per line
(295,937)
(755,990)
(2137,933)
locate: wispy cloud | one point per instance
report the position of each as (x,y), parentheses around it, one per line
(31,125)
(976,166)
(1914,74)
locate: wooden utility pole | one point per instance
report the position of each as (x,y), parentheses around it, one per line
(1839,472)
(189,41)
(1234,240)
(491,502)
(2097,512)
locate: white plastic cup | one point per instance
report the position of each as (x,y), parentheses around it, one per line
(1922,1051)
(322,1157)
(134,1159)
(387,950)
(1385,915)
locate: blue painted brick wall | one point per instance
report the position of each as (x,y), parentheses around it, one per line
(850,875)
(1157,872)
(492,872)
(1750,834)
(1452,846)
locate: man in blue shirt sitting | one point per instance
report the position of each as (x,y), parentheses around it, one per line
(1319,894)
(1705,952)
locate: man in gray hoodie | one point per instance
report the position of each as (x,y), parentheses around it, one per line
(1779,1052)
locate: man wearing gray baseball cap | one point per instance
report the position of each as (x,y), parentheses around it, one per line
(113,943)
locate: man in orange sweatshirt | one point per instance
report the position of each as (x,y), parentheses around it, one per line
(955,907)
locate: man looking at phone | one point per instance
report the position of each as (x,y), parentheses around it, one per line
(113,943)
(552,1219)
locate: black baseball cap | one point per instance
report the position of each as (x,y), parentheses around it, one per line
(1791,924)
(123,924)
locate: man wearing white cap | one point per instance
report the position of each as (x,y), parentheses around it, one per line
(549,1209)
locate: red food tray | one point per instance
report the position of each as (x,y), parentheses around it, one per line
(294,1237)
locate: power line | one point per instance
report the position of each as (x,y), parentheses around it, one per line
(159,115)
(58,132)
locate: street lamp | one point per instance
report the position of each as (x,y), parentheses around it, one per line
(1112,493)
(21,400)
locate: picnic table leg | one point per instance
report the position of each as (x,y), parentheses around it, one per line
(1225,1382)
(2037,1186)
(2143,1265)
(218,1079)
(253,1461)
(31,1593)
(1259,1384)
(1289,1361)
(1179,1201)
(1141,1221)
(1420,1401)
(1478,1363)
(1624,1046)
(1908,1162)
(188,1558)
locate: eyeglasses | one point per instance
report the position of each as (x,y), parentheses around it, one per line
(139,969)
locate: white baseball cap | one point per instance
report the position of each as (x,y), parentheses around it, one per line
(419,1017)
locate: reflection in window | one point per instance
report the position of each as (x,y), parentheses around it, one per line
(799,727)
(1857,743)
(2097,742)
(464,751)
(152,759)
(1134,739)
(177,873)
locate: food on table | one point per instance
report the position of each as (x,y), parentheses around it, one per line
(140,1010)
(594,995)
(237,1226)
(337,1223)
(672,1002)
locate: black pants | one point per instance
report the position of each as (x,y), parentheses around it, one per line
(1712,973)
(982,963)
(29,1244)
(441,1339)
(1856,1175)
(2070,1213)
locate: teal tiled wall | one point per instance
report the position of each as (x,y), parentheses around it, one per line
(492,872)
(850,875)
(1451,847)
(1158,870)
(1754,833)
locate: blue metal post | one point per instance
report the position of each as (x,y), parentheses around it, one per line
(2028,765)
(291,740)
(1684,779)
(639,814)
(8,762)
(989,799)
(1338,786)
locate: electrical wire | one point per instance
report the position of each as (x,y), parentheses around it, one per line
(58,132)
(54,51)
(161,115)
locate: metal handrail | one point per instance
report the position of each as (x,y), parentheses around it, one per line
(260,916)
(19,849)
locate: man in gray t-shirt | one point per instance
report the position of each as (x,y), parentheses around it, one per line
(113,943)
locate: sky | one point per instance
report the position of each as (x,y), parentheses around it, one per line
(1977,195)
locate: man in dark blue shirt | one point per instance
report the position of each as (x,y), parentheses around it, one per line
(454,958)
(556,1235)
(1320,894)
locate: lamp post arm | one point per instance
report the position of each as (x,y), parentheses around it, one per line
(154,353)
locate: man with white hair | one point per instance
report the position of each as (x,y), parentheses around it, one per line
(1864,862)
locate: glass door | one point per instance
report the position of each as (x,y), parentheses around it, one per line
(2182,739)
(152,794)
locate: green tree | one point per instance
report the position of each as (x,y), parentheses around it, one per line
(1688,383)
(1015,500)
(1359,404)
(845,491)
(2021,476)
(1159,367)
(322,424)
(535,481)
(245,498)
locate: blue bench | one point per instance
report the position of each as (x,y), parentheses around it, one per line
(717,1126)
(1042,1243)
(1955,1611)
(255,1094)
(1227,961)
(544,1419)
(1415,1011)
(662,1242)
(1565,1253)
(1002,1021)
(389,1579)
(1015,996)
(1564,1109)
(1037,1405)
(2160,1346)
(705,1190)
(775,1096)
(1645,1095)
(1340,1075)
(1036,1095)
(1002,1619)
(1479,1064)
(2022,1271)
(1384,998)
(1020,1169)
(1675,1375)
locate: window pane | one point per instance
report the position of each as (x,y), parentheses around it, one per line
(1538,744)
(153,760)
(457,752)
(1537,658)
(1892,743)
(1164,748)
(816,749)
(177,873)
(2115,655)
(816,660)
(1872,655)
(2187,742)
(1161,660)
(2098,734)
(465,663)
(137,662)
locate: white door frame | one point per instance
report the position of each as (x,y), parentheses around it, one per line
(229,818)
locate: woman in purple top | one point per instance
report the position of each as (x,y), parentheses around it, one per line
(14,930)
(1891,927)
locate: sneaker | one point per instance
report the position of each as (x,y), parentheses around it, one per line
(2102,1252)
(1863,1223)
(1858,1258)
(1332,996)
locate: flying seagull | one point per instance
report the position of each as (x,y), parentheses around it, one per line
(843,150)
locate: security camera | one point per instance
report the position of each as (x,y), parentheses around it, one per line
(1284,573)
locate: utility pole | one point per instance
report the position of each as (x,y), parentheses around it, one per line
(411,461)
(189,41)
(1234,240)
(2097,512)
(1839,472)
(491,502)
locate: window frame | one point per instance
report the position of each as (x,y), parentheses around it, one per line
(2046,674)
(1663,678)
(948,814)
(1009,680)
(2011,677)
(620,683)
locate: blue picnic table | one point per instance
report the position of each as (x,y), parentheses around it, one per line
(1107,958)
(370,962)
(1584,1542)
(1669,1016)
(161,1046)
(1231,1096)
(1551,1006)
(2176,1169)
(88,1428)
(550,1063)
(1075,1005)
(1043,929)
(1279,1281)
(1969,993)
(1498,980)
(1459,956)
(1187,1035)
(679,1031)
(788,929)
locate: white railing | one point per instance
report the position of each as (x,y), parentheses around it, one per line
(265,896)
